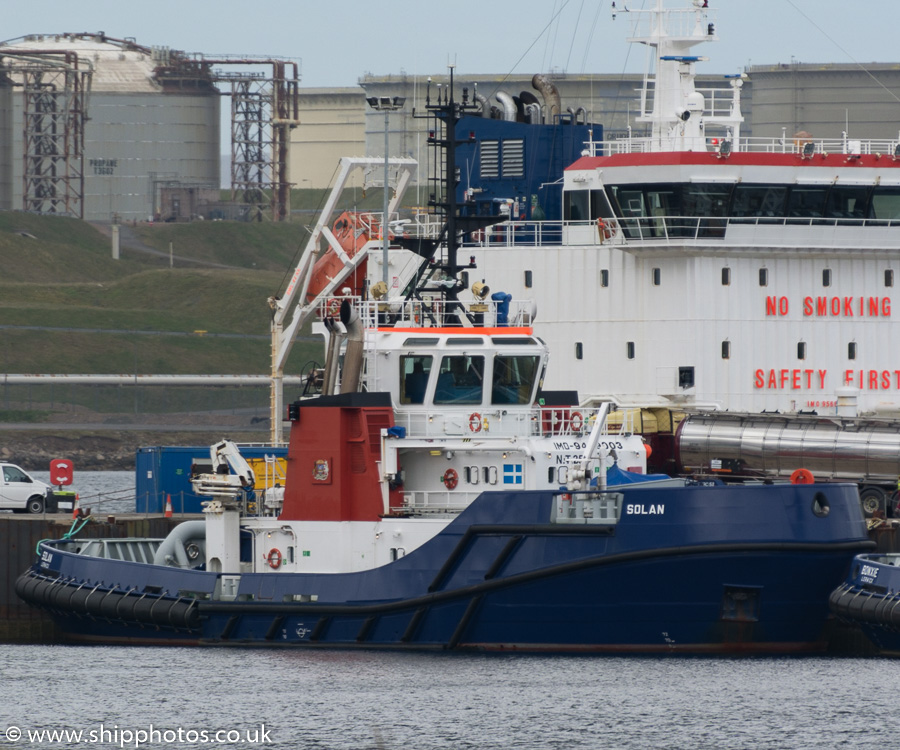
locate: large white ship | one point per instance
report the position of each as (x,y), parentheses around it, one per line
(696,268)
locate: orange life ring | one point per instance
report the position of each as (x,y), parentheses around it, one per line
(475,422)
(576,421)
(802,476)
(333,307)
(601,229)
(274,558)
(450,479)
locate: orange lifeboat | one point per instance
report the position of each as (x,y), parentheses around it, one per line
(352,230)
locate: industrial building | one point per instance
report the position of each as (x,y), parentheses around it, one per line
(109,130)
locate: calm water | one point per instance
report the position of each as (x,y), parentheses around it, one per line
(102,491)
(367,699)
(361,699)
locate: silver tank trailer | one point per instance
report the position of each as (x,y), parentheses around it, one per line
(864,451)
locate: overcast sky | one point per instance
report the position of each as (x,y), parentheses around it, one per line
(338,41)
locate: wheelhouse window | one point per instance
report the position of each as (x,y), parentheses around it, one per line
(759,201)
(847,202)
(576,205)
(885,203)
(414,372)
(806,201)
(460,380)
(514,379)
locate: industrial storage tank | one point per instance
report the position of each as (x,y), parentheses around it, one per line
(150,125)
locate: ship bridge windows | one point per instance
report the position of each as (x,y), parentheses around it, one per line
(514,379)
(759,201)
(414,372)
(847,202)
(807,201)
(576,205)
(885,203)
(460,380)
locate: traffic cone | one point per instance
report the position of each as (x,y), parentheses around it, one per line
(75,507)
(168,506)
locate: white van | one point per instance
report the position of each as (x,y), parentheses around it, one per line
(20,491)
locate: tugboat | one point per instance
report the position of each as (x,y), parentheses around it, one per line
(870,599)
(437,497)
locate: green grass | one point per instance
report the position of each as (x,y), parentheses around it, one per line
(67,307)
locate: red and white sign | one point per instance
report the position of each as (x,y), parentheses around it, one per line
(61,471)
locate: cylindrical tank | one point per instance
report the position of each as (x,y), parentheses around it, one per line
(151,129)
(832,448)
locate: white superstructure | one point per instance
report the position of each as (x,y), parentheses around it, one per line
(697,268)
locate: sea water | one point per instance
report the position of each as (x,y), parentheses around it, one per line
(181,697)
(107,697)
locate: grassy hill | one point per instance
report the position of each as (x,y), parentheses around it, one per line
(67,307)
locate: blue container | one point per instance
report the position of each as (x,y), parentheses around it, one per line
(166,470)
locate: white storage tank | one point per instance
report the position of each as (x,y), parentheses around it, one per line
(152,124)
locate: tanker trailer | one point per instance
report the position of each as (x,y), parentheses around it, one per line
(841,449)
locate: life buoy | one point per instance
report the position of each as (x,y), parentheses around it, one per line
(576,421)
(602,231)
(450,479)
(274,558)
(802,476)
(333,307)
(475,422)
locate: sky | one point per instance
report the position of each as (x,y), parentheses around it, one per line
(339,41)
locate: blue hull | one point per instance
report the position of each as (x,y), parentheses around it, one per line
(698,569)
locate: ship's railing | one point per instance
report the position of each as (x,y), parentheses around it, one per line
(544,421)
(436,502)
(799,144)
(830,231)
(583,508)
(432,313)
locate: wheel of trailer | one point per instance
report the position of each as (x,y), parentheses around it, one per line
(35,504)
(872,500)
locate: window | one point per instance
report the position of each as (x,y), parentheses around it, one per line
(528,279)
(657,277)
(764,277)
(579,350)
(889,277)
(414,371)
(460,380)
(801,350)
(686,377)
(806,201)
(629,350)
(576,205)
(514,379)
(851,350)
(826,277)
(726,350)
(726,276)
(604,277)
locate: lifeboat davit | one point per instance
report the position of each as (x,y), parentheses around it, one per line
(352,230)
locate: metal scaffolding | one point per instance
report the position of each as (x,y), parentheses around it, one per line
(56,86)
(264,110)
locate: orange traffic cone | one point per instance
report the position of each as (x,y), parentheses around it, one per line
(168,506)
(75,507)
